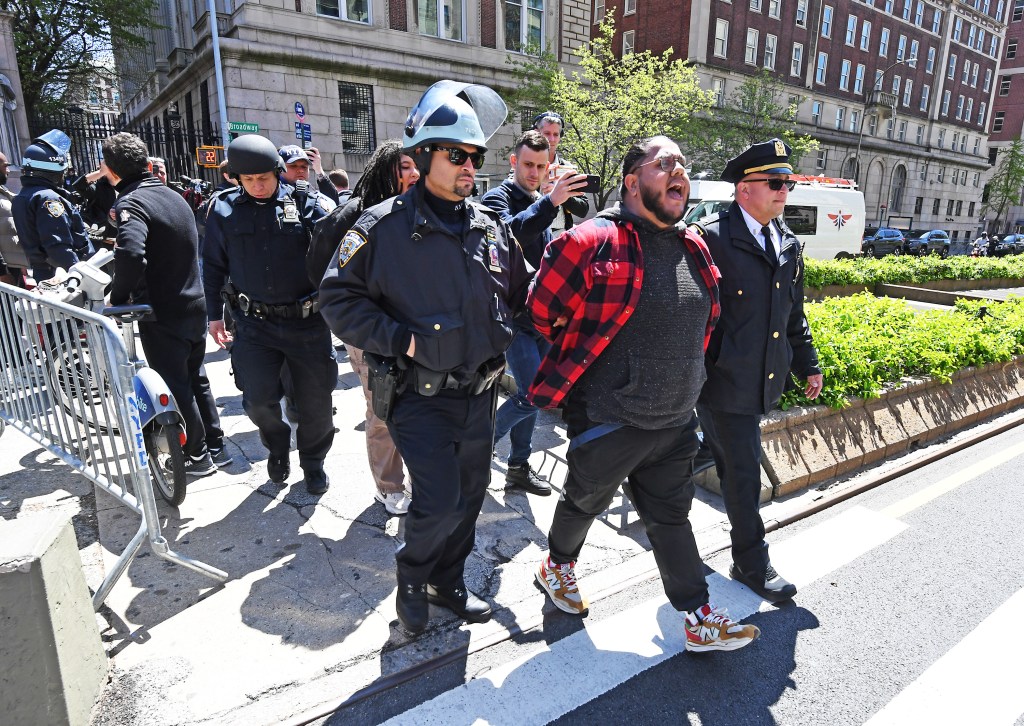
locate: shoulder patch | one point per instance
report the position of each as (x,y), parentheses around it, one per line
(125,216)
(350,244)
(54,207)
(326,203)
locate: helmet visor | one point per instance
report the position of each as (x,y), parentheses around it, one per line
(490,110)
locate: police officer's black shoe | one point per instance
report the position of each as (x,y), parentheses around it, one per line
(412,607)
(525,478)
(461,602)
(770,585)
(278,468)
(317,481)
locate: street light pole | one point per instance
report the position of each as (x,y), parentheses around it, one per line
(875,91)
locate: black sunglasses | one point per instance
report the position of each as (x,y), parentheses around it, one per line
(776,184)
(458,156)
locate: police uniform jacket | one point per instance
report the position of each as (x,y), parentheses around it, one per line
(49,227)
(156,259)
(400,271)
(260,245)
(762,334)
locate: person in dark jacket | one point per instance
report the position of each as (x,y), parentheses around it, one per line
(257,236)
(761,338)
(156,263)
(299,163)
(49,226)
(429,281)
(551,125)
(98,198)
(389,172)
(529,214)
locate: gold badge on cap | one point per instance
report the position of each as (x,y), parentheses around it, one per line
(780,148)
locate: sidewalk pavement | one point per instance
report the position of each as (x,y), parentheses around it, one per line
(307,617)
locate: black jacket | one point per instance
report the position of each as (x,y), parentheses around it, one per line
(528,219)
(399,271)
(762,334)
(156,261)
(49,227)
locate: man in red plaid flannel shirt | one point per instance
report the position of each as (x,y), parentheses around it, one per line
(629,300)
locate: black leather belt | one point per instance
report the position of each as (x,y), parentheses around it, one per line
(309,305)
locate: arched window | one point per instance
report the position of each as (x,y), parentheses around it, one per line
(9,143)
(899,184)
(850,168)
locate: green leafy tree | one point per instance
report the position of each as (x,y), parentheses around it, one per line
(754,112)
(1004,189)
(60,43)
(610,102)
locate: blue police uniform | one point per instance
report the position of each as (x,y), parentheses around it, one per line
(49,226)
(260,246)
(455,284)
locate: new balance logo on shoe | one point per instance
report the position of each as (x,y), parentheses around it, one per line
(559,582)
(710,628)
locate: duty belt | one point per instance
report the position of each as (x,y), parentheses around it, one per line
(309,305)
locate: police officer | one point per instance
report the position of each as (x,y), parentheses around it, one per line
(257,235)
(431,281)
(761,337)
(49,226)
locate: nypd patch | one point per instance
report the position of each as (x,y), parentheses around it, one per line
(125,216)
(55,207)
(350,244)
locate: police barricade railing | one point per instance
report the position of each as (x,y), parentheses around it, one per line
(66,382)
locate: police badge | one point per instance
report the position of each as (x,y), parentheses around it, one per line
(291,212)
(350,244)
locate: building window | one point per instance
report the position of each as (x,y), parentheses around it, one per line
(844,77)
(959,108)
(907,88)
(920,139)
(1004,86)
(935,207)
(970,209)
(974,75)
(816,113)
(826,22)
(993,46)
(981,113)
(977,145)
(755,5)
(774,7)
(750,54)
(918,204)
(1011,48)
(967,72)
(355,10)
(598,11)
(883,43)
(718,86)
(925,90)
(949,207)
(988,79)
(951,71)
(901,48)
(854,121)
(930,64)
(629,9)
(977,178)
(627,43)
(941,176)
(840,117)
(958,28)
(1018,10)
(956,140)
(796,64)
(915,49)
(851,30)
(945,102)
(919,13)
(858,80)
(865,35)
(770,44)
(819,71)
(442,18)
(721,37)
(997,121)
(942,138)
(890,128)
(972,34)
(801,13)
(896,86)
(936,20)
(822,161)
(901,135)
(906,9)
(524,25)
(357,121)
(873,124)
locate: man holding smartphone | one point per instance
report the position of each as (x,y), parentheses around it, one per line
(530,214)
(551,125)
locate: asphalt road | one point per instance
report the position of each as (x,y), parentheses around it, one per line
(909,612)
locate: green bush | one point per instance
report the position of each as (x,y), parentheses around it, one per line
(867,344)
(902,269)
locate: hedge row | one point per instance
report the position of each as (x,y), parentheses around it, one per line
(867,344)
(903,269)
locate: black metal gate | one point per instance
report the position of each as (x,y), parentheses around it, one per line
(168,138)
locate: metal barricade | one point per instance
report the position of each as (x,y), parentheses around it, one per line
(66,382)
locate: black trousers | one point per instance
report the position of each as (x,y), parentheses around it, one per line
(260,351)
(445,441)
(176,352)
(659,467)
(735,442)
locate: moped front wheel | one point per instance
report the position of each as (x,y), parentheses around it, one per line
(167,462)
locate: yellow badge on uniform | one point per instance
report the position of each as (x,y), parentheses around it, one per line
(350,244)
(125,216)
(55,207)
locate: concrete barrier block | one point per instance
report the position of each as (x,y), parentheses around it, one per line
(934,406)
(842,441)
(972,397)
(902,407)
(781,458)
(48,626)
(887,426)
(863,428)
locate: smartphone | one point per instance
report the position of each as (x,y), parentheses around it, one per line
(593,184)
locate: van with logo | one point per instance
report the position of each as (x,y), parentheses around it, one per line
(826,214)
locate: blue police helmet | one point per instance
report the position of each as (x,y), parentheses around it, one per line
(461,113)
(48,152)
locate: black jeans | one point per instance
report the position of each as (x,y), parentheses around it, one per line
(735,442)
(659,467)
(445,441)
(259,353)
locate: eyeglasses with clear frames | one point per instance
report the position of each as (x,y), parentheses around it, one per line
(667,163)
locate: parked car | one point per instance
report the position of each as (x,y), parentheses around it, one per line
(879,241)
(1013,243)
(922,242)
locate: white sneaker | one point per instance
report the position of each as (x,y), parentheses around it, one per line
(396,503)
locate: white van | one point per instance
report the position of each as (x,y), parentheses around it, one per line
(826,214)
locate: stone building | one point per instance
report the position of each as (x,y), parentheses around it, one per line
(357,66)
(1008,104)
(919,128)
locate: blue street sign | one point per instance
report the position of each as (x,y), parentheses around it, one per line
(300,111)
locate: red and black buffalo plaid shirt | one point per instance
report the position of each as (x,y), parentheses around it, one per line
(592,276)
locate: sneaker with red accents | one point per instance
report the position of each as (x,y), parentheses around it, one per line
(559,582)
(710,628)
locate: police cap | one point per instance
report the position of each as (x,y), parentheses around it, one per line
(292,153)
(768,157)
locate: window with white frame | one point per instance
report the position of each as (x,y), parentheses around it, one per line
(771,43)
(960,107)
(883,43)
(915,49)
(888,6)
(821,68)
(946,95)
(627,43)
(919,13)
(1004,85)
(797,60)
(1018,10)
(929,65)
(721,37)
(981,113)
(755,5)
(977,179)
(851,29)
(972,33)
(907,4)
(840,117)
(966,77)
(822,160)
(958,28)
(826,21)
(963,150)
(969,110)
(442,18)
(956,140)
(816,113)
(844,76)
(977,145)
(997,121)
(524,25)
(629,7)
(993,46)
(908,87)
(940,143)
(873,124)
(901,133)
(925,90)
(854,121)
(988,80)
(598,11)
(890,128)
(750,53)
(901,48)
(974,75)
(858,79)
(951,71)
(865,35)
(981,40)
(936,20)
(354,10)
(896,85)
(774,8)
(1011,48)
(801,13)
(718,87)
(920,139)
